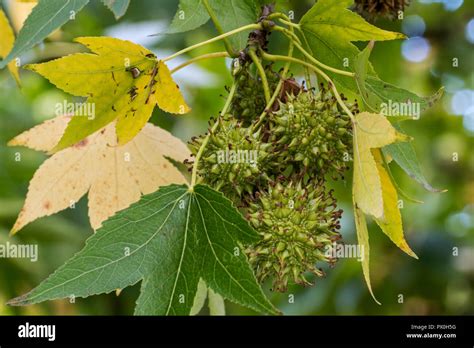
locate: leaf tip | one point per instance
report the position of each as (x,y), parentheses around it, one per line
(372,294)
(401,36)
(13,142)
(400,137)
(17,226)
(19,301)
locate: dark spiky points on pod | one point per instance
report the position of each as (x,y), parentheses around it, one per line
(311,131)
(298,222)
(372,9)
(249,100)
(235,160)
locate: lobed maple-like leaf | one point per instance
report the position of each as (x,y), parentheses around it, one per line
(372,190)
(170,239)
(328,30)
(115,176)
(122,82)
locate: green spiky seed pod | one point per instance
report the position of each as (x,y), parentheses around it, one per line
(371,9)
(313,132)
(234,160)
(249,101)
(298,222)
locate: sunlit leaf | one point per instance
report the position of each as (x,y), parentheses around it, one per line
(123,82)
(115,176)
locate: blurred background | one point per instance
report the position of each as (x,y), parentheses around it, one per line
(440,231)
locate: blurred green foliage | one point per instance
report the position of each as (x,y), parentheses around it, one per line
(438,283)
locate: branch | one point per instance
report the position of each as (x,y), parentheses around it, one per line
(214,39)
(202,57)
(261,72)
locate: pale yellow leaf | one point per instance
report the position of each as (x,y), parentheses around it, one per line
(199,298)
(216,303)
(19,11)
(370,131)
(363,240)
(7,38)
(391,223)
(115,176)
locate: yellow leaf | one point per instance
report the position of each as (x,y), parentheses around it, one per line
(6,44)
(167,96)
(391,223)
(363,239)
(122,81)
(115,176)
(370,131)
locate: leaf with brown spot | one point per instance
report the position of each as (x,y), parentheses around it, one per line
(115,93)
(115,176)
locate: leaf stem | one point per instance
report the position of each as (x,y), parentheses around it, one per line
(206,139)
(290,34)
(277,89)
(322,65)
(202,57)
(289,23)
(305,53)
(218,26)
(214,39)
(261,72)
(331,84)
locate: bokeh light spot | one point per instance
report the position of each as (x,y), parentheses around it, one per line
(413,26)
(415,49)
(470,31)
(462,101)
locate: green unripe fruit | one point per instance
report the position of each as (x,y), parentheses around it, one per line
(371,9)
(234,161)
(311,130)
(249,100)
(297,221)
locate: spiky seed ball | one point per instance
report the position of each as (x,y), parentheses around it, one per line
(371,9)
(297,222)
(249,100)
(234,160)
(311,130)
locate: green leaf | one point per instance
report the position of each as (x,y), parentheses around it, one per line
(377,95)
(169,239)
(329,28)
(46,16)
(118,7)
(381,97)
(231,14)
(387,95)
(404,154)
(400,191)
(191,14)
(361,65)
